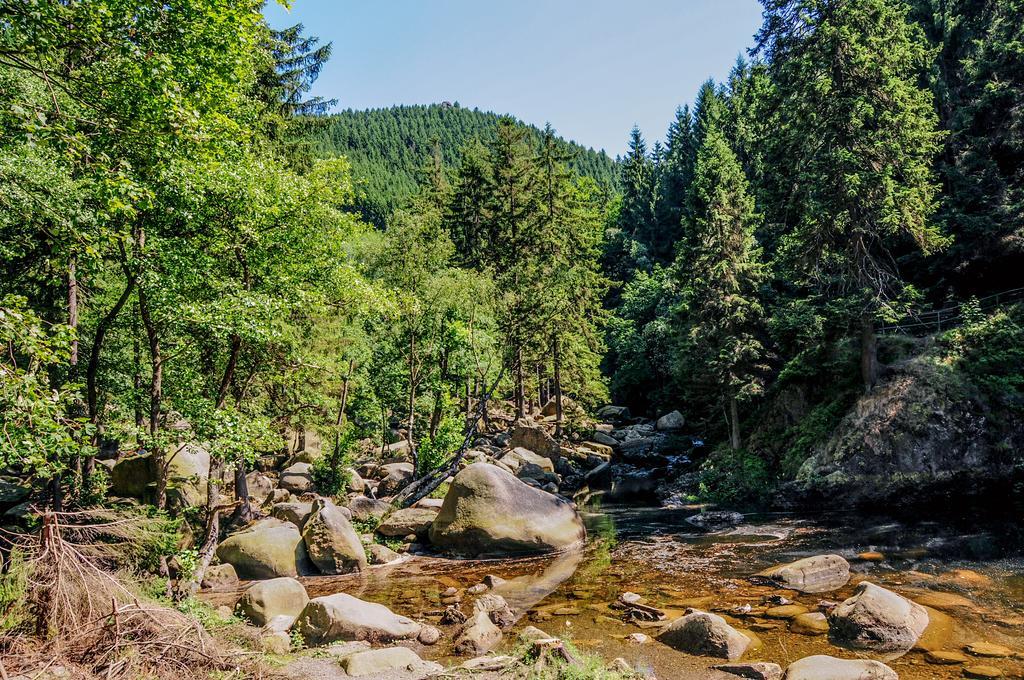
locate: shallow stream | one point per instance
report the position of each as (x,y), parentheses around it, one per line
(974,575)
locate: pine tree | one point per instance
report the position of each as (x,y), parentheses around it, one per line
(467,213)
(637,177)
(297,60)
(674,185)
(857,136)
(720,278)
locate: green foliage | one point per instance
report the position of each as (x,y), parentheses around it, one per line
(990,350)
(330,471)
(389,147)
(436,450)
(736,477)
(14,578)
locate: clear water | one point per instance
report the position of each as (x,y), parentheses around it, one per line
(653,552)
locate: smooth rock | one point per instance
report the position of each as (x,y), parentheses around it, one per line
(297,479)
(758,670)
(220,576)
(877,619)
(941,658)
(397,476)
(488,511)
(381,554)
(295,512)
(830,668)
(265,600)
(343,617)
(479,635)
(332,543)
(407,521)
(365,509)
(533,437)
(380,661)
(982,672)
(715,520)
(705,634)
(266,548)
(811,623)
(988,650)
(671,421)
(786,611)
(817,574)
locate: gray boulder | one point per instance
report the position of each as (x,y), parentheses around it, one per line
(295,512)
(397,476)
(297,478)
(365,509)
(407,521)
(332,543)
(479,635)
(823,667)
(605,439)
(704,634)
(532,436)
(342,617)
(266,548)
(613,413)
(671,421)
(878,620)
(380,661)
(487,511)
(260,486)
(220,576)
(817,574)
(755,670)
(265,600)
(715,520)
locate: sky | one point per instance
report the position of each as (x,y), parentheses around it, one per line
(592,68)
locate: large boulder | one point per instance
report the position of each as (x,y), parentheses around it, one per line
(266,548)
(487,511)
(297,478)
(13,490)
(705,634)
(365,509)
(614,414)
(671,421)
(295,512)
(396,477)
(260,486)
(220,577)
(343,617)
(518,457)
(817,574)
(830,668)
(878,620)
(264,600)
(332,543)
(188,468)
(532,436)
(408,521)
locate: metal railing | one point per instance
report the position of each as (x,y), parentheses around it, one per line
(938,320)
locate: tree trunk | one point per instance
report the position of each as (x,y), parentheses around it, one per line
(557,367)
(229,371)
(185,590)
(155,399)
(868,353)
(137,374)
(520,396)
(734,424)
(435,416)
(242,492)
(411,423)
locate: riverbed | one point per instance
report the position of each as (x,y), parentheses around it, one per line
(972,576)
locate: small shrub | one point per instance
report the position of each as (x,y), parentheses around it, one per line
(330,471)
(440,492)
(434,451)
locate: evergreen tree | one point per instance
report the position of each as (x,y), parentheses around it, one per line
(720,279)
(857,135)
(296,62)
(636,216)
(674,183)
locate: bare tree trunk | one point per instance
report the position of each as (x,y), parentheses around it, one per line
(344,392)
(229,371)
(184,590)
(244,512)
(435,416)
(734,424)
(556,360)
(137,373)
(868,353)
(411,423)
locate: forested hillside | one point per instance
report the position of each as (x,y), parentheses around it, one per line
(390,148)
(810,200)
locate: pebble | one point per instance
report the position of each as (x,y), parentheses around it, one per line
(786,611)
(477,589)
(811,623)
(629,598)
(429,635)
(638,638)
(871,556)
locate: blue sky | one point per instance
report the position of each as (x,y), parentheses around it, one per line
(592,68)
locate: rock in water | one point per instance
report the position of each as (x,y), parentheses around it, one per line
(266,548)
(818,574)
(297,478)
(267,599)
(671,421)
(877,619)
(830,668)
(479,635)
(716,520)
(332,543)
(343,617)
(704,634)
(488,511)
